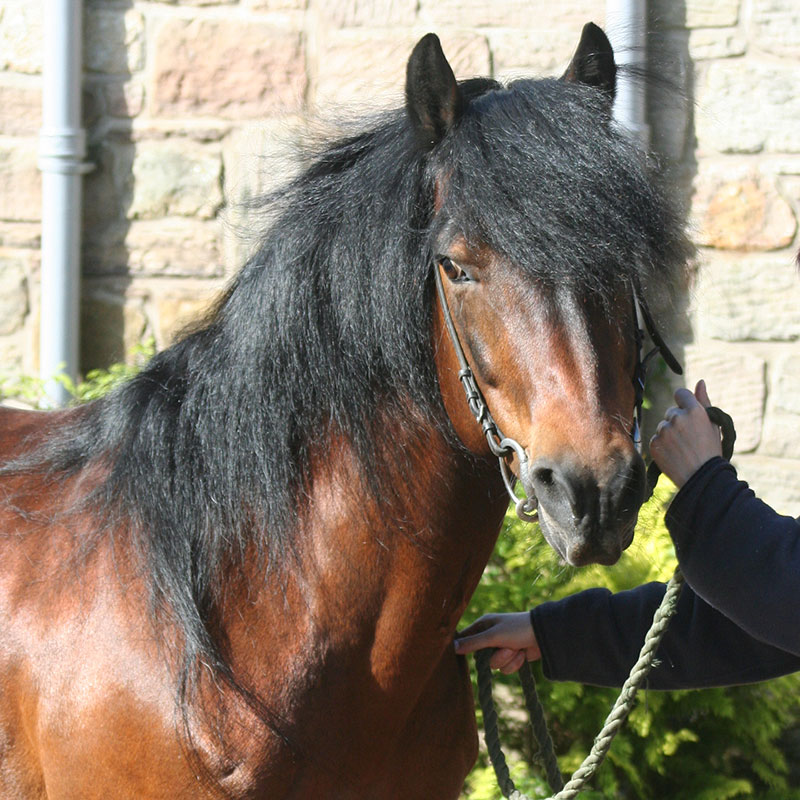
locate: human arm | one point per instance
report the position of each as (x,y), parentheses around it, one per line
(595,637)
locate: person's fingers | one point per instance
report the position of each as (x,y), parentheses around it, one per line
(502,657)
(514,664)
(686,399)
(701,393)
(469,644)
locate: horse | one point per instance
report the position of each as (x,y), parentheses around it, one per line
(239,573)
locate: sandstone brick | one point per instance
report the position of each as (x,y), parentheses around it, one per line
(197,2)
(21,234)
(736,382)
(737,299)
(172,247)
(276,5)
(21,42)
(174,313)
(748,106)
(532,53)
(175,247)
(21,105)
(697,13)
(374,13)
(708,43)
(180,178)
(745,213)
(111,327)
(776,25)
(775,480)
(20,183)
(108,189)
(539,14)
(227,68)
(785,393)
(782,428)
(14,303)
(114,40)
(124,99)
(380,78)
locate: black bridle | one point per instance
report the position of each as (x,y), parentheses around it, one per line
(504,447)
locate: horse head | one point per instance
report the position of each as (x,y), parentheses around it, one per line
(542,233)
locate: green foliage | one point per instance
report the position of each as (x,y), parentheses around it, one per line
(715,744)
(96,383)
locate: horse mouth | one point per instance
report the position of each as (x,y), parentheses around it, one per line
(579,548)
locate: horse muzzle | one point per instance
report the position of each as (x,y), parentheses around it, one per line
(588,518)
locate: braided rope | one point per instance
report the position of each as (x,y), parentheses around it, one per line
(602,743)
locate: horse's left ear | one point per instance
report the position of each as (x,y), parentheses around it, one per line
(433,100)
(593,62)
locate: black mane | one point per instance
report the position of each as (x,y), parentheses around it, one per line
(327,328)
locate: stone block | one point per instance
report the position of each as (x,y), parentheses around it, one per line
(175,178)
(14,304)
(775,480)
(524,53)
(276,5)
(539,14)
(114,40)
(736,383)
(175,247)
(21,234)
(696,13)
(124,100)
(172,247)
(20,183)
(21,104)
(776,26)
(748,106)
(380,79)
(372,13)
(111,327)
(235,69)
(756,298)
(175,312)
(742,213)
(785,391)
(705,43)
(21,40)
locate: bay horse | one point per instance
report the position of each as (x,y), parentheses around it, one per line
(239,574)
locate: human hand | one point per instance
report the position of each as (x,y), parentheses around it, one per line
(511,633)
(686,438)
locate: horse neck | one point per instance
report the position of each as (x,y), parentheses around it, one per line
(390,576)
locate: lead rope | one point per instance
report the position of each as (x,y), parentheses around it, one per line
(627,696)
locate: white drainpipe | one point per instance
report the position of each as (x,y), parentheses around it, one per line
(626,26)
(62,150)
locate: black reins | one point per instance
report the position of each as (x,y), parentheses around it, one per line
(501,446)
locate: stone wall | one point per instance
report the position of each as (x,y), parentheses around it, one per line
(194,106)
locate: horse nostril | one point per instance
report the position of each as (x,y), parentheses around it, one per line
(544,476)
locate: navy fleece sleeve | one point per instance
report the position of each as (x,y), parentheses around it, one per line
(739,555)
(740,626)
(595,637)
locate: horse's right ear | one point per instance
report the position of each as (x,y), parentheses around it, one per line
(433,100)
(593,62)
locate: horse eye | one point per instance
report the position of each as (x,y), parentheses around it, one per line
(452,270)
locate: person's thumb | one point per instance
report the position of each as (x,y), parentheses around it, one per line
(701,393)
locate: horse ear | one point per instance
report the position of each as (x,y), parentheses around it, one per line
(593,62)
(433,100)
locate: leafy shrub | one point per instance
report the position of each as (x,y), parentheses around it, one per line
(713,744)
(96,383)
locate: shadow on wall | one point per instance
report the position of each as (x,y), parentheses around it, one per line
(111,99)
(670,114)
